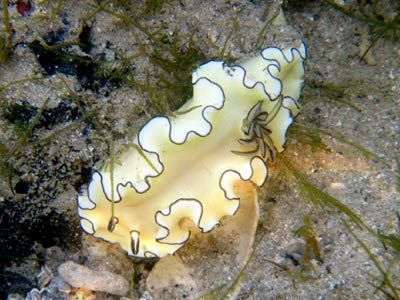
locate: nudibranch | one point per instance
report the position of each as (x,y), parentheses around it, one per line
(184,165)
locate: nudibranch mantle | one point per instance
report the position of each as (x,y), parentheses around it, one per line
(184,165)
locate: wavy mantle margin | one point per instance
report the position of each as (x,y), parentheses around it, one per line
(208,127)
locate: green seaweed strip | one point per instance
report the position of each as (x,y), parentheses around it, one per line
(213,294)
(393,263)
(111,223)
(19,81)
(58,7)
(239,40)
(308,138)
(4,162)
(398,173)
(76,98)
(292,275)
(132,284)
(372,44)
(261,33)
(379,288)
(28,132)
(365,152)
(330,92)
(380,28)
(228,37)
(318,197)
(350,14)
(179,113)
(307,100)
(54,48)
(386,279)
(48,138)
(307,233)
(348,103)
(97,9)
(112,157)
(128,20)
(239,277)
(145,157)
(391,240)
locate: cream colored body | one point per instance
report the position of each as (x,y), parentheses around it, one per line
(184,165)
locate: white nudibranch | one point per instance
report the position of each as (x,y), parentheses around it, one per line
(184,166)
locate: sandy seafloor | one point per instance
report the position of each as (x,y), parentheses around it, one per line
(38,222)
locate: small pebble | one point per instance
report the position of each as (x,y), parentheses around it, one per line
(82,277)
(337,185)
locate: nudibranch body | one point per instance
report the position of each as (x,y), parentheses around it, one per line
(184,165)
